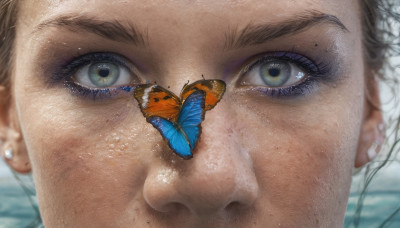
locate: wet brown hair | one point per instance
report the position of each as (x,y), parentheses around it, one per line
(8,18)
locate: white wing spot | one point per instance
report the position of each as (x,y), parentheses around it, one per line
(146,96)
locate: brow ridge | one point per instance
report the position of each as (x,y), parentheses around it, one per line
(253,34)
(113,30)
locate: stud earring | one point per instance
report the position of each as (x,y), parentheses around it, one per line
(9,154)
(372,151)
(375,147)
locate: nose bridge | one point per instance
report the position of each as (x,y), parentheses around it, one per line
(219,176)
(186,60)
(183,69)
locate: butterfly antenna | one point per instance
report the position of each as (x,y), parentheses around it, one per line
(203,77)
(155,82)
(168,87)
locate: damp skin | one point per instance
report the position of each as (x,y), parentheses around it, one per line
(261,161)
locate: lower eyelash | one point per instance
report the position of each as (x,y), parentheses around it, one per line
(301,89)
(94,94)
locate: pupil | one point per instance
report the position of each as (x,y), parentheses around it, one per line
(104,72)
(274,72)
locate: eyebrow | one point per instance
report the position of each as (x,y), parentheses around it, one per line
(113,30)
(258,34)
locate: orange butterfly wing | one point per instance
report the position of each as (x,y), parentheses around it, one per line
(214,90)
(157,101)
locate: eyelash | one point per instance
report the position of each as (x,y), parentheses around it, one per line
(316,71)
(65,74)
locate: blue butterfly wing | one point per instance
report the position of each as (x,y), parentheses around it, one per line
(176,139)
(191,115)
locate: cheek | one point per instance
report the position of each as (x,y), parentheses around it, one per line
(85,149)
(303,155)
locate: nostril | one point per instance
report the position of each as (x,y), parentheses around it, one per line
(172,208)
(235,206)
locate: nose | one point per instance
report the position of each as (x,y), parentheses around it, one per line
(219,179)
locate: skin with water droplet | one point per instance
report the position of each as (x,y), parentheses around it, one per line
(265,154)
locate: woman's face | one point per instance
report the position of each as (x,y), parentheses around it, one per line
(278,149)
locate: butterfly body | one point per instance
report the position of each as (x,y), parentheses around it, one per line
(179,119)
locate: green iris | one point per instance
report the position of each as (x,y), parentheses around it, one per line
(103,74)
(275,73)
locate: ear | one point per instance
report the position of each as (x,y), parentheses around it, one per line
(10,135)
(372,131)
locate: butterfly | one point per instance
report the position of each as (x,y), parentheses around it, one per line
(179,119)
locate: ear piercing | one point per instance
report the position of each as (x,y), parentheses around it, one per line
(375,147)
(8,154)
(372,151)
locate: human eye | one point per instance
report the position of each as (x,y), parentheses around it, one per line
(283,74)
(99,75)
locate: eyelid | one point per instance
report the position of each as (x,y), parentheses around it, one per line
(252,77)
(81,77)
(316,72)
(294,58)
(66,73)
(78,63)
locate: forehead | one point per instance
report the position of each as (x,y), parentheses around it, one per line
(185,13)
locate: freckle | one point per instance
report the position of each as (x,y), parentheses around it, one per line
(316,45)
